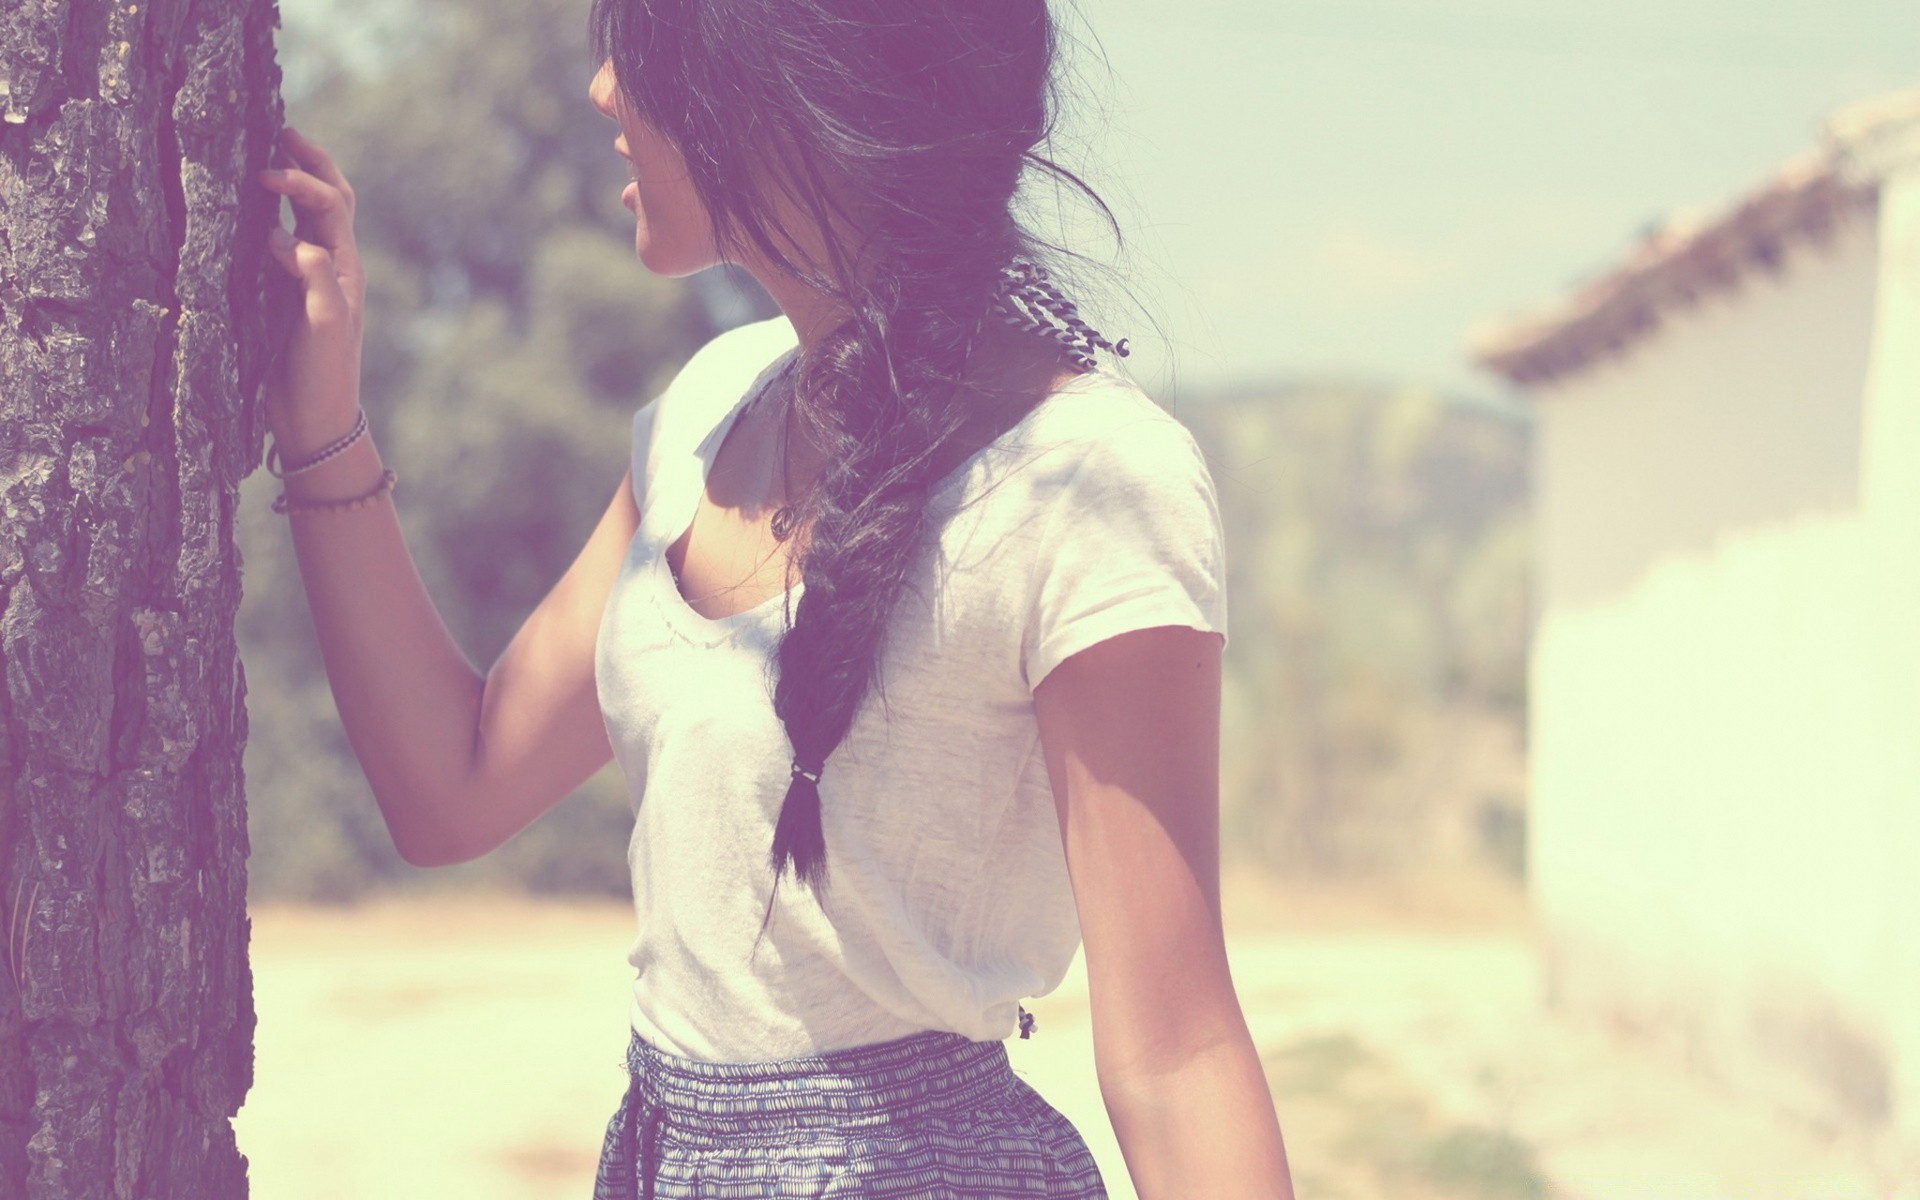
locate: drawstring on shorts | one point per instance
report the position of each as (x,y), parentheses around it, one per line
(649,1149)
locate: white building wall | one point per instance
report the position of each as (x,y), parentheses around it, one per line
(1891,496)
(1709,841)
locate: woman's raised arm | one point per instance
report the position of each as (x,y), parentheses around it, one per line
(458,762)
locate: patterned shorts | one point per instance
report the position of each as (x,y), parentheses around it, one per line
(932,1116)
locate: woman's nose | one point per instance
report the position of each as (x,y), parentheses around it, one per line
(600,91)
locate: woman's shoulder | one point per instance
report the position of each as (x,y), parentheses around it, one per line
(752,345)
(719,373)
(1103,410)
(1102,432)
(732,359)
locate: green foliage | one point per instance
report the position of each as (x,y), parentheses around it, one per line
(511,335)
(1372,1130)
(1377,564)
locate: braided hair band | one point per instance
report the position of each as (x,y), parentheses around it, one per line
(1026,299)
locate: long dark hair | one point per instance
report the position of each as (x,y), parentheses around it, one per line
(908,124)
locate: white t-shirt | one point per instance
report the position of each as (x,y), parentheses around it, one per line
(948,899)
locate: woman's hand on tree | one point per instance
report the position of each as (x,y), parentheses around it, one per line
(315,385)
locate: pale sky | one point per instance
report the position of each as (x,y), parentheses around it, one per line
(1349,186)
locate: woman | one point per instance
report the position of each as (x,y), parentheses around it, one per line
(900,582)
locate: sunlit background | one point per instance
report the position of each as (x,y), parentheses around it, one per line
(1559,372)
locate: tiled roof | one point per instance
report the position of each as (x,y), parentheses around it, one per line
(1691,255)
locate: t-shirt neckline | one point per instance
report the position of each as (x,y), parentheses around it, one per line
(698,627)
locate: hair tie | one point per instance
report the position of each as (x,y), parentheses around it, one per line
(810,774)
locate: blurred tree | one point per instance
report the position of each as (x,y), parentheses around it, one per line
(512,334)
(132,342)
(1377,584)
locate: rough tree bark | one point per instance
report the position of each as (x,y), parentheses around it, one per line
(132,340)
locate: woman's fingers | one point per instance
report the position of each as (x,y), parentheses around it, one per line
(320,250)
(323,211)
(316,269)
(280,245)
(308,154)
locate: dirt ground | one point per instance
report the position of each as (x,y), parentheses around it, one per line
(473,1047)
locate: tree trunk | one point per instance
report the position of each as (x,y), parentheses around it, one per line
(133,334)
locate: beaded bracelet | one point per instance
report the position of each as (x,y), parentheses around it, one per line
(326,452)
(387,481)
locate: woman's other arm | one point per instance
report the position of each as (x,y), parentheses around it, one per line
(1130,728)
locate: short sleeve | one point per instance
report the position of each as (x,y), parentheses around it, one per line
(1133,540)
